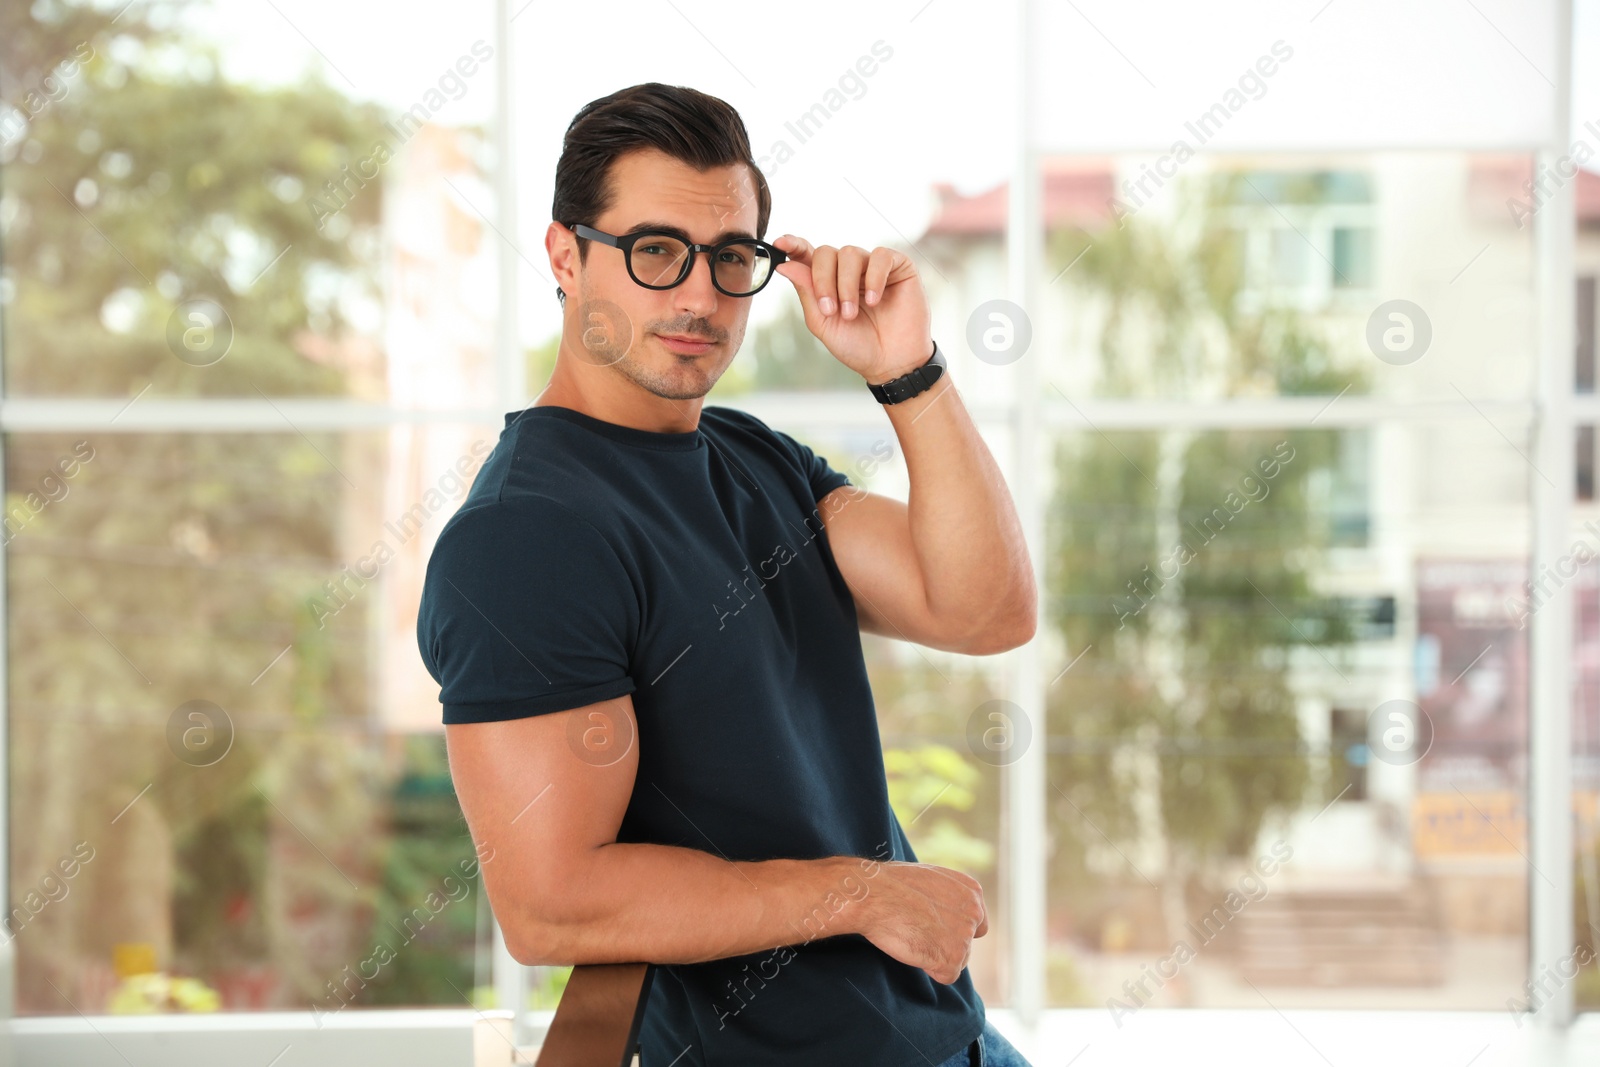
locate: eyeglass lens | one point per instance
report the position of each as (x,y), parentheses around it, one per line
(658,259)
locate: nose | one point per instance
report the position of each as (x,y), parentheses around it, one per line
(695,293)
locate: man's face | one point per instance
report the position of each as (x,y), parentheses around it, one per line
(652,188)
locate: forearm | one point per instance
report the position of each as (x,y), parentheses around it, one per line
(969,541)
(664,904)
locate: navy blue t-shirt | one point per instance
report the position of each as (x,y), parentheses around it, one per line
(692,571)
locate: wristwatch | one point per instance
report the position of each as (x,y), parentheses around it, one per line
(912,382)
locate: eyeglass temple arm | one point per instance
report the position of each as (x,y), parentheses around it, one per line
(593,234)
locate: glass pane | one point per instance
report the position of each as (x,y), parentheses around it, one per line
(227,761)
(1288,761)
(1352,257)
(1291,258)
(1286,278)
(159,242)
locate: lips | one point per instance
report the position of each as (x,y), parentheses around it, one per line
(686,345)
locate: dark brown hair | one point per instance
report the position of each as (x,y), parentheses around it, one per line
(686,124)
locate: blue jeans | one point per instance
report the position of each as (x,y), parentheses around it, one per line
(993,1051)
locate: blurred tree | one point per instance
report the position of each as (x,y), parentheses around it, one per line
(426,851)
(924,780)
(184,566)
(1182,567)
(1586,914)
(946,799)
(139,190)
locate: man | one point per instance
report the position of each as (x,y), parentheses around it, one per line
(645,622)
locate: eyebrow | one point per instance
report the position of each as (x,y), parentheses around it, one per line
(667,227)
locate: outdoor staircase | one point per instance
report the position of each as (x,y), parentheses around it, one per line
(1381,936)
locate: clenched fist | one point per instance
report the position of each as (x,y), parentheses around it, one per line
(925,916)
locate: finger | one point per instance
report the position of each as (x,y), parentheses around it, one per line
(799,275)
(797,248)
(825,278)
(877,275)
(977,893)
(981,924)
(852,263)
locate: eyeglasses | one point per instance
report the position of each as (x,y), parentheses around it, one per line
(740,266)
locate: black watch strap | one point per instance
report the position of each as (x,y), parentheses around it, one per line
(911,383)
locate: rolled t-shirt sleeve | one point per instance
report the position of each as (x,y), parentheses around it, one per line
(525,610)
(823,478)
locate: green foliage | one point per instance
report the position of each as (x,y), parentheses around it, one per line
(218,865)
(922,782)
(541,363)
(1064,984)
(428,843)
(544,991)
(922,715)
(147,994)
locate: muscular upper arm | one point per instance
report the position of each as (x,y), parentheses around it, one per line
(540,794)
(870,536)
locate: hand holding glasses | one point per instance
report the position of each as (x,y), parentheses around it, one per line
(660,259)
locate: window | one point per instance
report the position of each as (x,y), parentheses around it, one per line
(1347,733)
(1309,236)
(1352,257)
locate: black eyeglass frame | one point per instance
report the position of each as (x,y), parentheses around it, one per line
(626,241)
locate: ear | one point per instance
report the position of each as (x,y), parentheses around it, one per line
(561,245)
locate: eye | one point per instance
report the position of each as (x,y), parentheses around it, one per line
(735,256)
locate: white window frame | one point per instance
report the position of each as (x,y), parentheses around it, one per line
(1032,416)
